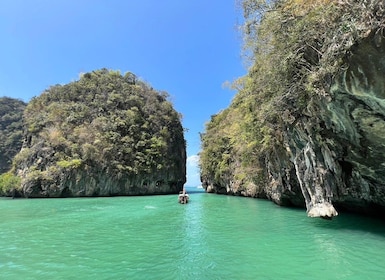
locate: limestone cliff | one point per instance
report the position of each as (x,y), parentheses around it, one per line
(315,114)
(338,146)
(103,135)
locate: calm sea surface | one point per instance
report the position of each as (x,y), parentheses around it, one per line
(154,237)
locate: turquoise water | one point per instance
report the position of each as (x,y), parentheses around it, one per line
(154,237)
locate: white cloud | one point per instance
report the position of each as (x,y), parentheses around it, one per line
(193,173)
(193,160)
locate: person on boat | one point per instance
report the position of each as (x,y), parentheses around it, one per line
(183,196)
(186,196)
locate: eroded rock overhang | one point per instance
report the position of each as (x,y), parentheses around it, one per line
(343,164)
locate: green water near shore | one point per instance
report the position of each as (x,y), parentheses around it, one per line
(154,237)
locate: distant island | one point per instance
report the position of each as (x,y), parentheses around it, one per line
(106,134)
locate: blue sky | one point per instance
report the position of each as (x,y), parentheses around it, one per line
(187,48)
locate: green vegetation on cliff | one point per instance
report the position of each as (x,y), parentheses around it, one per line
(11,130)
(296,47)
(106,131)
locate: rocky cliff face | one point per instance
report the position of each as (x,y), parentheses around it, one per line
(337,148)
(333,155)
(43,178)
(330,155)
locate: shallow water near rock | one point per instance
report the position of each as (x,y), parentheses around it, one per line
(154,237)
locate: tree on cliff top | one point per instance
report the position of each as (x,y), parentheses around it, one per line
(103,123)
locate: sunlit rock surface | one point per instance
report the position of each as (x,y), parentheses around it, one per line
(333,156)
(338,148)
